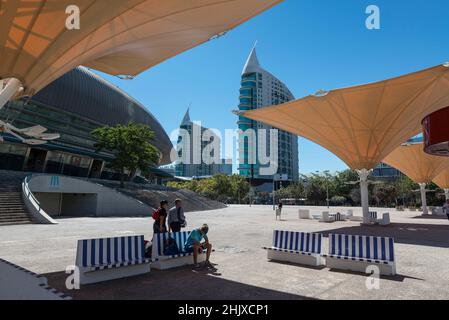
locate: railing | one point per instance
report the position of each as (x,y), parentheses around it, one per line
(34,206)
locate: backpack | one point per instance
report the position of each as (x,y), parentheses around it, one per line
(170,247)
(148,249)
(156,214)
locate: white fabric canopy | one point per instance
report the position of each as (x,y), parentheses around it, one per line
(119,37)
(363,124)
(419,166)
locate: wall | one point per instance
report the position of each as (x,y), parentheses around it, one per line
(50,202)
(108,201)
(79,205)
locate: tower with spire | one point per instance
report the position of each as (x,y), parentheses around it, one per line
(190,148)
(259,89)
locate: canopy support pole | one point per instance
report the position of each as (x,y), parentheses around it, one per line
(8,90)
(422,188)
(363,175)
(446,194)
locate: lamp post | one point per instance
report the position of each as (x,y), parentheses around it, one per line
(251,185)
(327,187)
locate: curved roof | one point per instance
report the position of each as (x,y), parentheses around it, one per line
(86,94)
(419,166)
(442,180)
(363,124)
(118,37)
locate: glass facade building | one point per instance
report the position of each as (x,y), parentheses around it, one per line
(73,106)
(384,171)
(259,89)
(191,147)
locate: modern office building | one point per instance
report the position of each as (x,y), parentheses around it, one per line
(259,89)
(191,147)
(73,106)
(384,171)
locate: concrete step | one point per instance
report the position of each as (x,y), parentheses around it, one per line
(11,223)
(11,203)
(13,209)
(13,213)
(14,217)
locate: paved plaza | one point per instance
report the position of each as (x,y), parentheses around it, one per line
(243,272)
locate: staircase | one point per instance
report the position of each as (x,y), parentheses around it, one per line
(12,208)
(152,195)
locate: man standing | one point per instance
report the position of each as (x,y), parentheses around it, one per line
(446,209)
(159,216)
(176,217)
(193,244)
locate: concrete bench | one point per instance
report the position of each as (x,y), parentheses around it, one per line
(438,211)
(106,259)
(304,214)
(373,216)
(385,221)
(356,253)
(296,247)
(163,262)
(339,217)
(326,217)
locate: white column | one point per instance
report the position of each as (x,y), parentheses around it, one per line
(422,188)
(363,175)
(446,194)
(7,91)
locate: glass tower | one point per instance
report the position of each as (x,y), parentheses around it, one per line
(259,89)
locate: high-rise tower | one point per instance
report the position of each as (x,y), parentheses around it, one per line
(260,89)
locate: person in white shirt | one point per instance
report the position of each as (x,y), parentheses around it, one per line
(176,217)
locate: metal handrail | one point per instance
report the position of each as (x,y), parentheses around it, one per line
(32,199)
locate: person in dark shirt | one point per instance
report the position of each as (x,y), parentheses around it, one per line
(159,225)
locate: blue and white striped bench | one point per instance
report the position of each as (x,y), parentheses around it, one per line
(163,262)
(111,258)
(296,247)
(340,217)
(356,253)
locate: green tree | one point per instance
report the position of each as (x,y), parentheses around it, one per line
(131,145)
(384,194)
(405,189)
(240,188)
(220,187)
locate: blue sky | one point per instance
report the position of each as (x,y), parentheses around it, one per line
(309,45)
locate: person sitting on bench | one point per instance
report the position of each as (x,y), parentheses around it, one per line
(193,244)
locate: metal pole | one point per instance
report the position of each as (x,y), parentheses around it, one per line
(363,174)
(422,187)
(274,187)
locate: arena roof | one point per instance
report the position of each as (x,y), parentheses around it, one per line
(86,94)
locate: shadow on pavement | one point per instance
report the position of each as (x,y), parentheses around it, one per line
(397,277)
(297,265)
(431,217)
(178,284)
(408,233)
